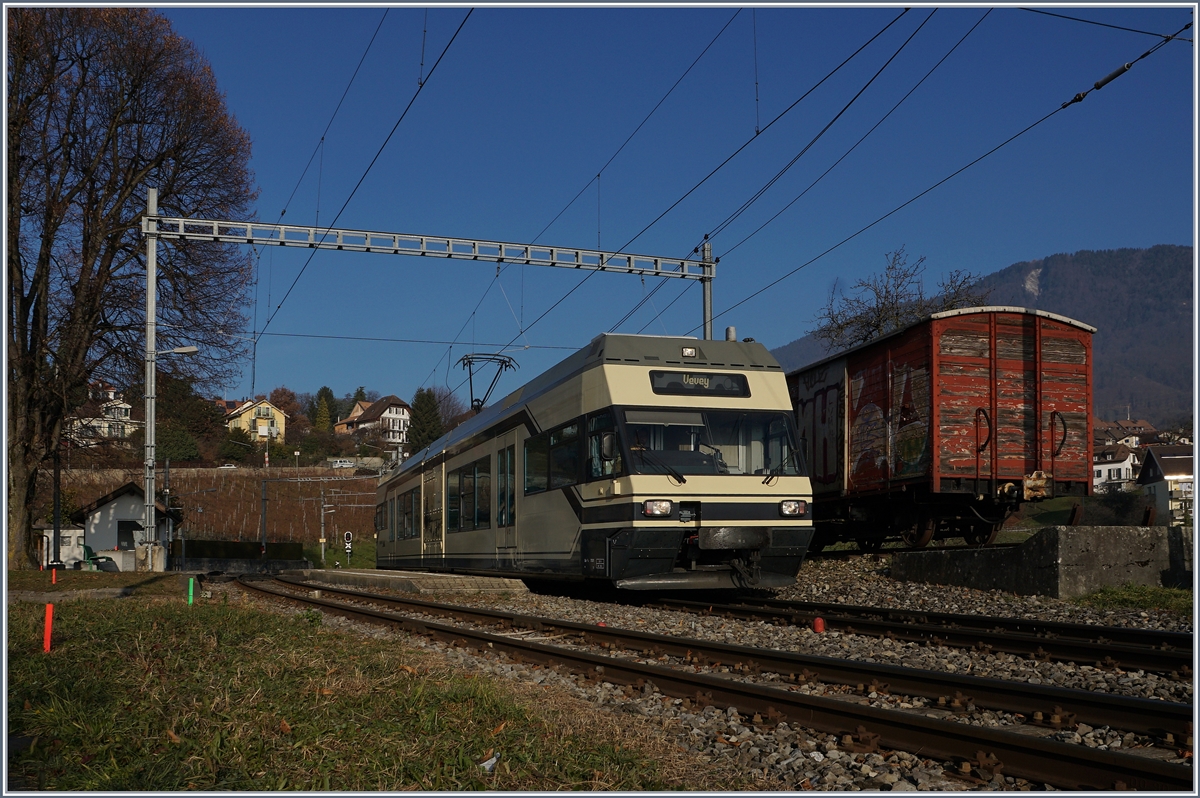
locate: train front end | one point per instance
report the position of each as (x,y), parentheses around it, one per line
(695,479)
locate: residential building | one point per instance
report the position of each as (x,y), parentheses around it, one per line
(390,415)
(103,418)
(1115,464)
(1129,432)
(260,419)
(349,424)
(1167,476)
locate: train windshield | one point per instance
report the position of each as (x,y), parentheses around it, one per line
(712,442)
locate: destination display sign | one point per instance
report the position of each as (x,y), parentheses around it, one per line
(695,383)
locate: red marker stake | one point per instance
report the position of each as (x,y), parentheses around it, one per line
(49,627)
(54,576)
(818,625)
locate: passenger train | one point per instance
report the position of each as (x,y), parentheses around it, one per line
(641,462)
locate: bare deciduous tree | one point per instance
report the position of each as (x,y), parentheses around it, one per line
(890,301)
(103,104)
(450,407)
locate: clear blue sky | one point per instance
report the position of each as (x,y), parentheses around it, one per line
(527,105)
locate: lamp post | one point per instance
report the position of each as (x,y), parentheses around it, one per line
(151,389)
(148,529)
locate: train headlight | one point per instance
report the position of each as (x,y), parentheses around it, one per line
(789,507)
(657,507)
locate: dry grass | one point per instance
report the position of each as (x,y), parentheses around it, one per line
(220,696)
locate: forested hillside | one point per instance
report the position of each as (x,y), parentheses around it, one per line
(1140,301)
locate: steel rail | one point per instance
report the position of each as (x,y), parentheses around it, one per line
(1104,654)
(1058,706)
(979,749)
(1103,635)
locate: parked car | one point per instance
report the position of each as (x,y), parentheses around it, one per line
(228,465)
(342,464)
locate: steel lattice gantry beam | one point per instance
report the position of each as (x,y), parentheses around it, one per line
(283,235)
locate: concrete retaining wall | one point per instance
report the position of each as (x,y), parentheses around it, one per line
(1063,562)
(414,581)
(230,566)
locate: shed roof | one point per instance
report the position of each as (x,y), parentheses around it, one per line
(80,515)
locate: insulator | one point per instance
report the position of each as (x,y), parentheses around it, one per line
(1100,84)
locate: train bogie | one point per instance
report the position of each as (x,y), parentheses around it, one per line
(639,462)
(941,429)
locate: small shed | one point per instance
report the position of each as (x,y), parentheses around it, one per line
(70,543)
(114,521)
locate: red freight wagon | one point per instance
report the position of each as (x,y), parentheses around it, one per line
(943,428)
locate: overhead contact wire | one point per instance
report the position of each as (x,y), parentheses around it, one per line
(367,171)
(736,152)
(639,127)
(882,119)
(1076,99)
(662,283)
(778,175)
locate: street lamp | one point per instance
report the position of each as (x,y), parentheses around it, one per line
(148,524)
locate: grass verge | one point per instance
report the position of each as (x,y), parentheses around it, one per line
(164,697)
(1141,597)
(362,555)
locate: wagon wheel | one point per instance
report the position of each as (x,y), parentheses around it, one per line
(982,533)
(918,537)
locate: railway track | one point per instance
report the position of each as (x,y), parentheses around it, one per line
(1105,646)
(977,750)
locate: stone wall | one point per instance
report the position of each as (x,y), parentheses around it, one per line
(1063,562)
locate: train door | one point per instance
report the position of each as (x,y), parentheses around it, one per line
(506,496)
(432,490)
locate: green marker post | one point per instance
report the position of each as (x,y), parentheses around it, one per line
(191,588)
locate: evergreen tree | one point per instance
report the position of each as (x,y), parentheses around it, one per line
(331,404)
(426,424)
(323,422)
(236,446)
(175,444)
(360,395)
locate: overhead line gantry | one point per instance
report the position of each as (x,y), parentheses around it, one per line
(347,240)
(155,227)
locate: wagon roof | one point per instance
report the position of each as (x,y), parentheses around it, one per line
(945,314)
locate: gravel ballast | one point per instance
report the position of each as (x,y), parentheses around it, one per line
(794,758)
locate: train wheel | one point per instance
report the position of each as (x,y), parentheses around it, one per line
(982,534)
(918,537)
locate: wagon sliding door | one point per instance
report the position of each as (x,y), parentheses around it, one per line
(1012,400)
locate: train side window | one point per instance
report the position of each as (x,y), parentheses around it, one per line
(506,486)
(564,456)
(452,505)
(537,459)
(469,496)
(391,520)
(600,425)
(483,493)
(411,503)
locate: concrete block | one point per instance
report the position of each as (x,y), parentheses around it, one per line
(1062,562)
(1181,543)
